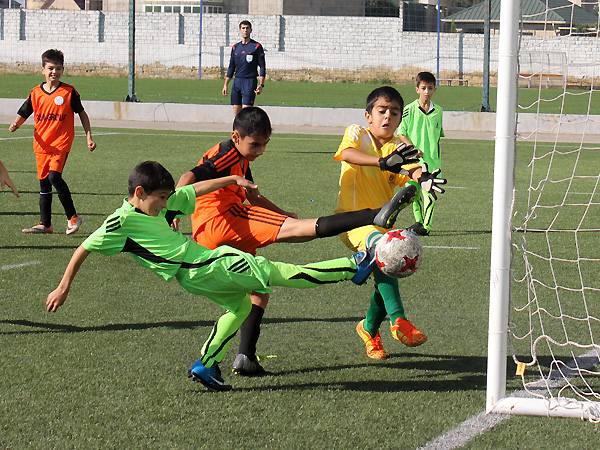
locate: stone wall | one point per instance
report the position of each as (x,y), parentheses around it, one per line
(297,47)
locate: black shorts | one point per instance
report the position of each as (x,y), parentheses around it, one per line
(242,92)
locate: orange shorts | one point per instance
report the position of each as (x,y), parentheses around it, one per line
(243,227)
(50,161)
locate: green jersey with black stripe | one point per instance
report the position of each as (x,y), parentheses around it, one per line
(424,130)
(154,244)
(150,240)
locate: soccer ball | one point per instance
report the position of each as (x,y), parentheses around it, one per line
(398,253)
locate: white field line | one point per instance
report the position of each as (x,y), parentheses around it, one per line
(16,266)
(450,247)
(482,422)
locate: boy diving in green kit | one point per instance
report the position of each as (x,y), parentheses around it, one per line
(225,275)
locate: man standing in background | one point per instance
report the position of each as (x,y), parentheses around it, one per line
(246,57)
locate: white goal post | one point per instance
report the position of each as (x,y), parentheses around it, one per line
(569,385)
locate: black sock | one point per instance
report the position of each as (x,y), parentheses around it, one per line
(67,202)
(250,332)
(64,194)
(338,223)
(46,208)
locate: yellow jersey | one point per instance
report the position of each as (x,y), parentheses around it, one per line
(366,186)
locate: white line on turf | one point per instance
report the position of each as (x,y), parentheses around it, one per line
(16,266)
(451,247)
(482,422)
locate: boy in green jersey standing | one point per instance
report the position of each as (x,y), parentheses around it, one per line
(421,127)
(225,275)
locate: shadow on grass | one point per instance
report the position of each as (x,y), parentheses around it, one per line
(464,383)
(54,327)
(38,247)
(445,373)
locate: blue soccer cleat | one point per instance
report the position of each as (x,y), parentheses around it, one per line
(386,217)
(209,377)
(365,263)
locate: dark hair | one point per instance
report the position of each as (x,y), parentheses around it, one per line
(245,22)
(151,176)
(53,56)
(387,92)
(252,121)
(425,77)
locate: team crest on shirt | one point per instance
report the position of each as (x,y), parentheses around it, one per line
(249,58)
(58,100)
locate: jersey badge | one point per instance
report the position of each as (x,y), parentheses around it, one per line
(58,100)
(249,58)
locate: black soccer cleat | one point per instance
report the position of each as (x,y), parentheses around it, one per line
(245,366)
(386,217)
(418,229)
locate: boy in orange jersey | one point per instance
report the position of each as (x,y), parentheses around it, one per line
(246,220)
(54,105)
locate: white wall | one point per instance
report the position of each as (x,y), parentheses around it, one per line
(291,42)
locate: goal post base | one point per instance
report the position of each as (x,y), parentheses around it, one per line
(553,407)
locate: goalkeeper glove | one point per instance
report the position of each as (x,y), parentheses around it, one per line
(430,183)
(404,154)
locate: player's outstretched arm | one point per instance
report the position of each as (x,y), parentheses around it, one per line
(58,296)
(206,186)
(255,198)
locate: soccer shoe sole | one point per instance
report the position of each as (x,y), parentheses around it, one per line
(35,230)
(386,217)
(213,385)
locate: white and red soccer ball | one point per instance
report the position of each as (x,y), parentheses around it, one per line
(398,253)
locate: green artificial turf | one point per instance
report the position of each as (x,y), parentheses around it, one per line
(108,370)
(288,93)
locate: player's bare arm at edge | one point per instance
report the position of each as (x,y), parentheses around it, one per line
(255,198)
(206,186)
(58,296)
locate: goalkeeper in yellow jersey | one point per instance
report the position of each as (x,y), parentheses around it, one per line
(374,162)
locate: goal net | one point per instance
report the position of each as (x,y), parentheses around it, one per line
(545,273)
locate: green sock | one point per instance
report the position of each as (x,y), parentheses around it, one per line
(390,292)
(223,332)
(311,275)
(375,315)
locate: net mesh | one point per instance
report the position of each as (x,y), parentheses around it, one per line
(555,294)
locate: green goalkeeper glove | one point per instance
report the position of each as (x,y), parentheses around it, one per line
(430,183)
(404,154)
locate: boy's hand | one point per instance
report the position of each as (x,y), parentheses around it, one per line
(430,183)
(404,154)
(91,145)
(13,127)
(243,182)
(55,299)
